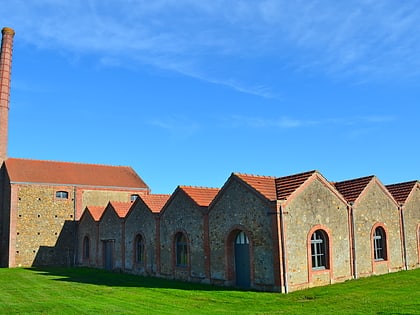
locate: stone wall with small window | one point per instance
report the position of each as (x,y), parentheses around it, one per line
(182,215)
(375,208)
(44,225)
(101,197)
(316,208)
(140,222)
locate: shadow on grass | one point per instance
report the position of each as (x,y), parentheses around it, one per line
(119,279)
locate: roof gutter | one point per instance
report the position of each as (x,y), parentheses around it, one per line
(81,186)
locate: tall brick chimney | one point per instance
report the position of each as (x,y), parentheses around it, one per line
(5,74)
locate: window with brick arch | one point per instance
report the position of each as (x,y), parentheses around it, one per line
(319,250)
(139,250)
(181,250)
(379,244)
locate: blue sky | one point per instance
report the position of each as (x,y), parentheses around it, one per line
(187,92)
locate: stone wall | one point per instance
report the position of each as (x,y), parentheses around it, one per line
(412,229)
(88,227)
(141,221)
(182,215)
(111,229)
(376,208)
(45,232)
(316,207)
(101,197)
(237,209)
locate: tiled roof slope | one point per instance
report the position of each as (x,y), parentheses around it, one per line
(401,191)
(351,189)
(155,202)
(96,212)
(203,196)
(121,208)
(265,185)
(66,173)
(286,185)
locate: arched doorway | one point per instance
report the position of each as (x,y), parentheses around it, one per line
(242,260)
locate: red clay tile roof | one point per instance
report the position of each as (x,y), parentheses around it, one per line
(66,173)
(121,208)
(96,212)
(155,202)
(401,191)
(351,189)
(286,185)
(265,185)
(203,196)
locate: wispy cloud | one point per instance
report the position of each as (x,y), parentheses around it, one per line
(285,122)
(360,39)
(178,127)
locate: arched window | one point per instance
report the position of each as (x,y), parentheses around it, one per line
(181,250)
(319,250)
(379,244)
(86,247)
(139,249)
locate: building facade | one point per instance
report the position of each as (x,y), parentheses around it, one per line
(256,232)
(265,233)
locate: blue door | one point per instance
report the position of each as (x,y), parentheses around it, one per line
(242,261)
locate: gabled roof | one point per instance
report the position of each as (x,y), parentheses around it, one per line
(286,185)
(265,185)
(67,173)
(95,211)
(155,202)
(351,189)
(401,191)
(121,208)
(202,196)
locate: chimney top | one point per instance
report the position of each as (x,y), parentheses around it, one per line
(8,31)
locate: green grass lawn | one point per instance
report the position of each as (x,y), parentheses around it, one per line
(90,291)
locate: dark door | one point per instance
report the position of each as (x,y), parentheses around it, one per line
(242,261)
(108,255)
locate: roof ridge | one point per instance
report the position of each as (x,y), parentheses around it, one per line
(66,162)
(354,179)
(253,175)
(199,187)
(298,174)
(403,183)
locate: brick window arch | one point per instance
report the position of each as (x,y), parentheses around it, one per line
(319,250)
(181,250)
(139,249)
(379,244)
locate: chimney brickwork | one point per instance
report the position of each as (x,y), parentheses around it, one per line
(5,75)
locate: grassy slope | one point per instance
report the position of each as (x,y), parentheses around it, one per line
(87,291)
